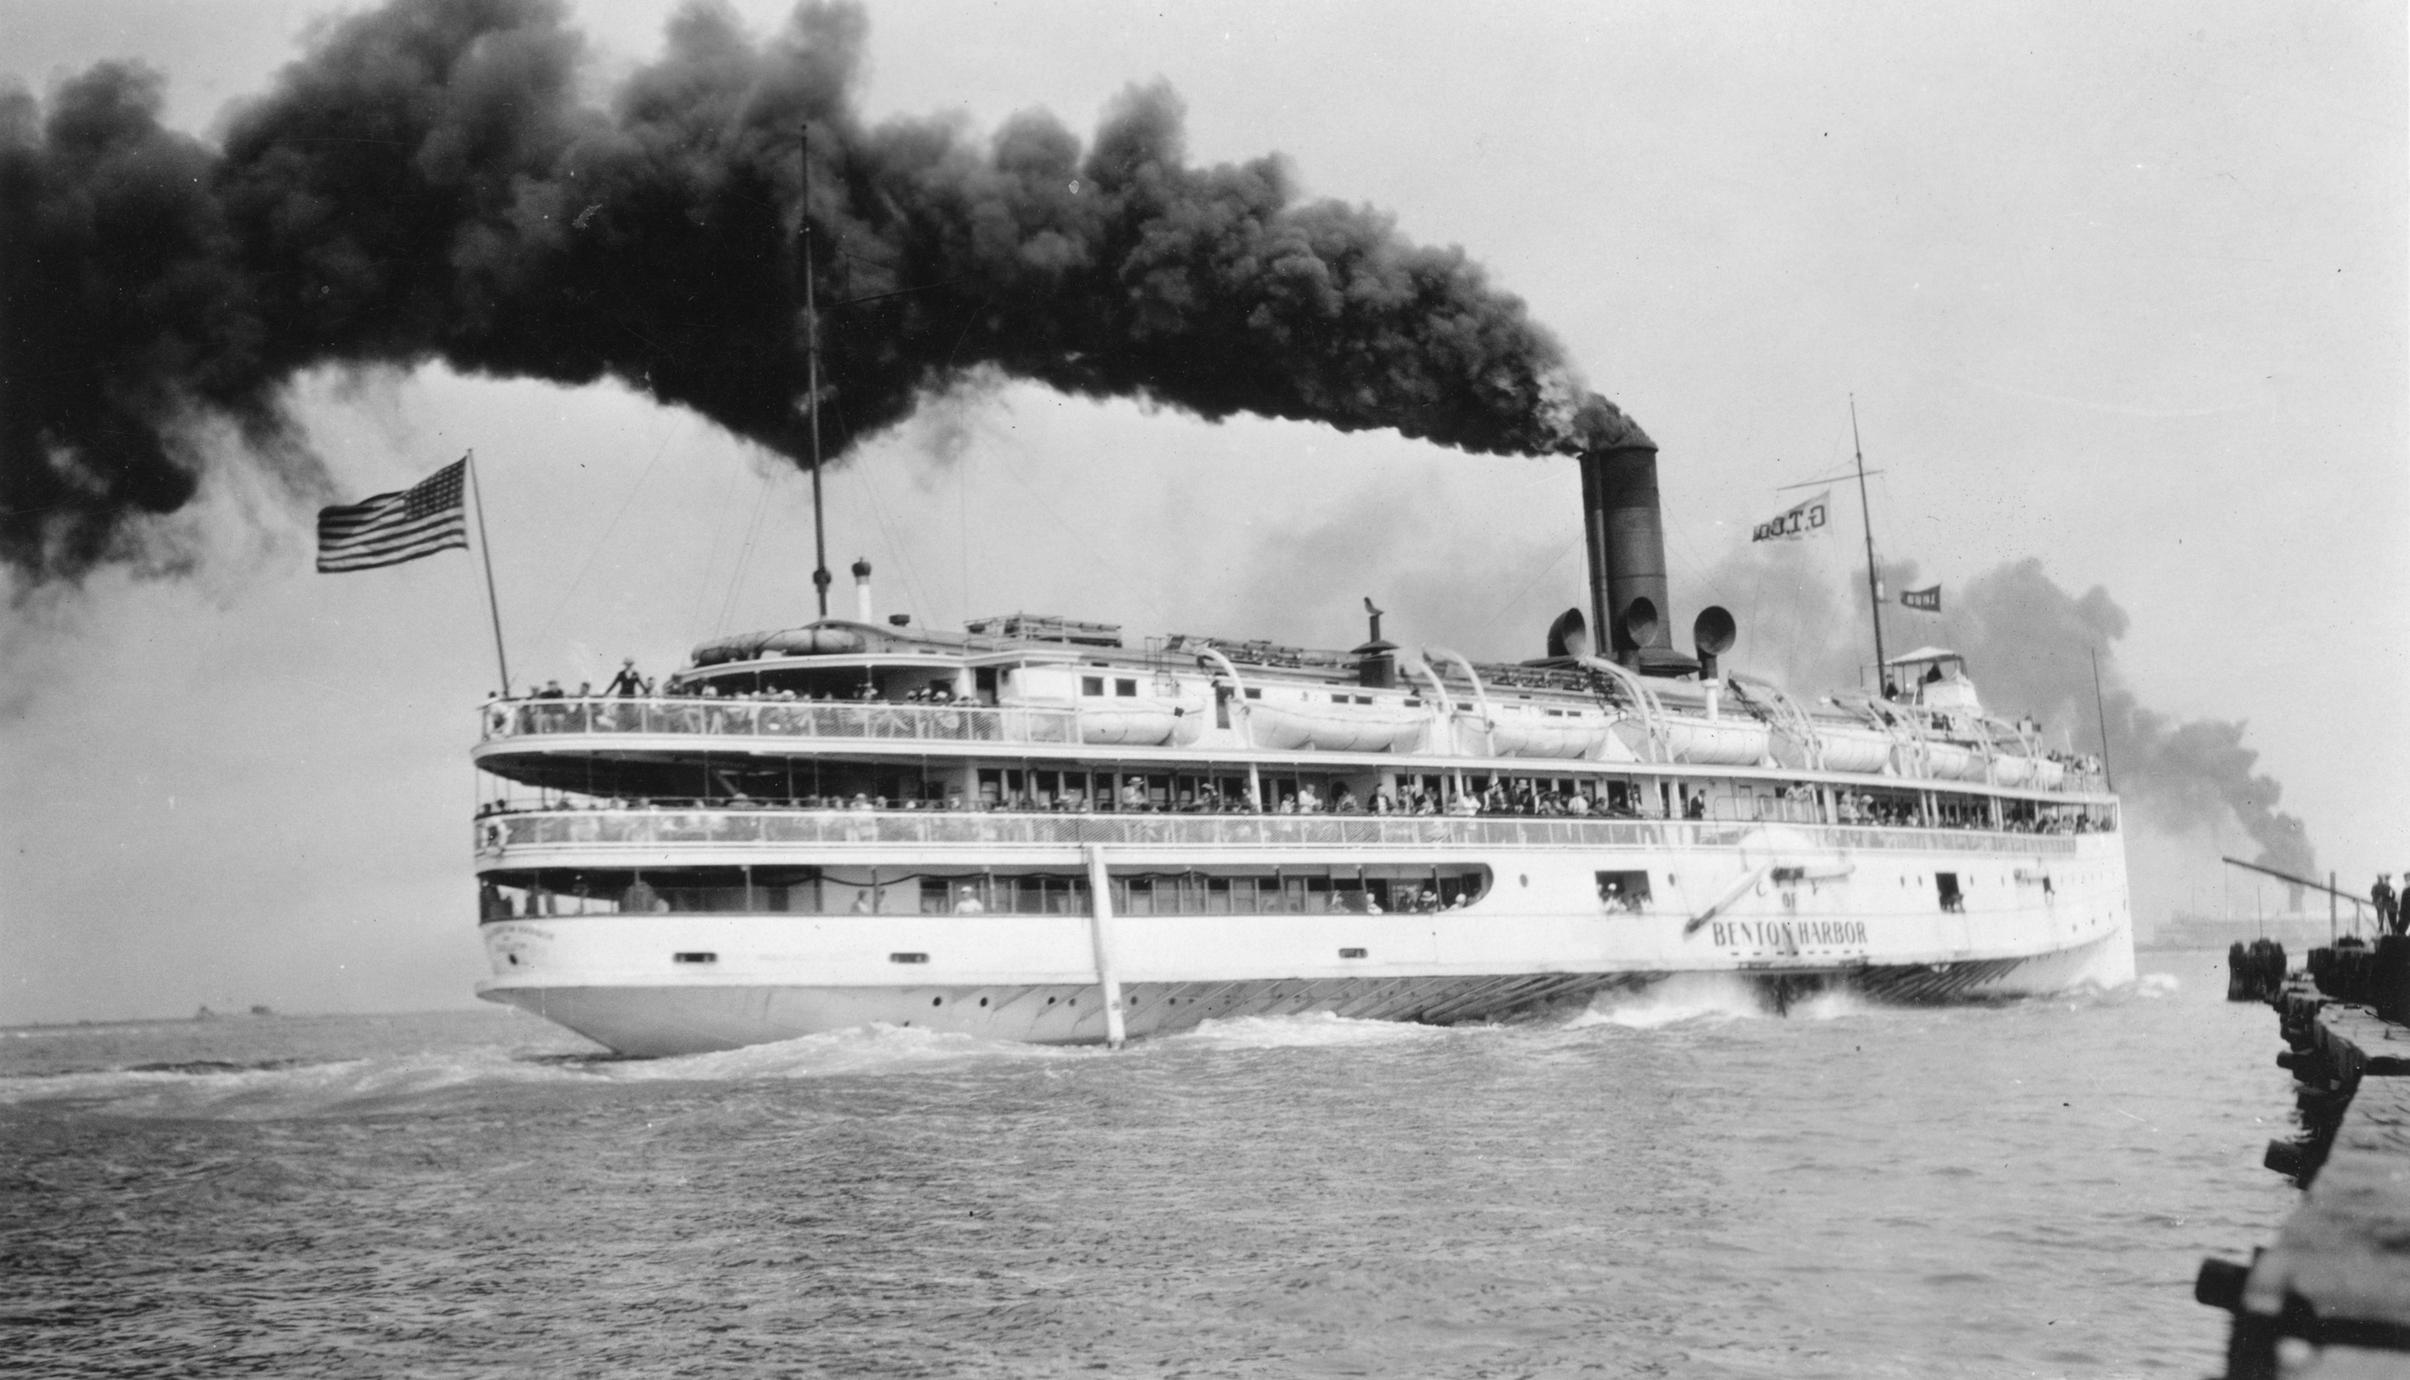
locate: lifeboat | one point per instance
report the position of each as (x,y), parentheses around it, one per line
(1847,748)
(1140,723)
(1734,742)
(816,641)
(1282,728)
(1539,738)
(1943,761)
(2012,771)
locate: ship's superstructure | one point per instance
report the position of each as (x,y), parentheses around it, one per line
(1033,830)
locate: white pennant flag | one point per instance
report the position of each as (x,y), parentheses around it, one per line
(1806,518)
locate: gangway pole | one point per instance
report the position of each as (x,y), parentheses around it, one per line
(1100,937)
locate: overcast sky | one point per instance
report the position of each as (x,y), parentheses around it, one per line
(2118,287)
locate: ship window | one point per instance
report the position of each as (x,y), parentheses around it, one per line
(1091,685)
(1623,891)
(1125,689)
(695,958)
(1255,694)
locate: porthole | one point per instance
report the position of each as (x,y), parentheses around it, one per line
(937,1001)
(983,1001)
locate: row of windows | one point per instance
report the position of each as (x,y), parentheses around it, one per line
(1289,891)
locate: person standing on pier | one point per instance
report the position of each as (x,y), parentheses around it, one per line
(2388,905)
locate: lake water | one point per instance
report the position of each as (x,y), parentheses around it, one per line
(1670,1185)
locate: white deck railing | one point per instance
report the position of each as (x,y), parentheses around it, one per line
(942,723)
(780,829)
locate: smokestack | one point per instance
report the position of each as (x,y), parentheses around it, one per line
(862,589)
(1625,532)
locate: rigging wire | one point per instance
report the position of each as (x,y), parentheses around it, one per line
(1498,614)
(711,559)
(744,553)
(677,422)
(895,546)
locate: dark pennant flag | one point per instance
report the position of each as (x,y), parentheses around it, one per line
(1928,599)
(392,528)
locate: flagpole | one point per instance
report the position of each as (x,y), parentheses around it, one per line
(2108,778)
(485,552)
(1874,589)
(811,354)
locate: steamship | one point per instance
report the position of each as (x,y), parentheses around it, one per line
(1035,829)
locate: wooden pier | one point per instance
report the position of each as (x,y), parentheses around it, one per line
(2331,1298)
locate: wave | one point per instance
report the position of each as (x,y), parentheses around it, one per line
(1673,1001)
(215,1089)
(830,1054)
(2156,985)
(1310,1030)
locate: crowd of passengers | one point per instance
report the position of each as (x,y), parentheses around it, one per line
(1496,800)
(631,684)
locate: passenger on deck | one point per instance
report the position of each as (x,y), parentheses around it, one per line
(1343,802)
(967,903)
(551,691)
(1133,794)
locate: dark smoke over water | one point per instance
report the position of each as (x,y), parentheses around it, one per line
(2028,645)
(428,183)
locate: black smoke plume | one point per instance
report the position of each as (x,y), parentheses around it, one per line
(428,183)
(2029,647)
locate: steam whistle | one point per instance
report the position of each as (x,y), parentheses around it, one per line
(1712,633)
(1569,635)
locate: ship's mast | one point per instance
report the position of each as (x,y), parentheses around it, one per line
(811,355)
(1874,588)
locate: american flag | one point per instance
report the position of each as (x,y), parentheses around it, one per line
(392,528)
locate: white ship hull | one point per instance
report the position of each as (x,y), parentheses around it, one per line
(1856,907)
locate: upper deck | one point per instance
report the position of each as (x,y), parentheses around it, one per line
(860,693)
